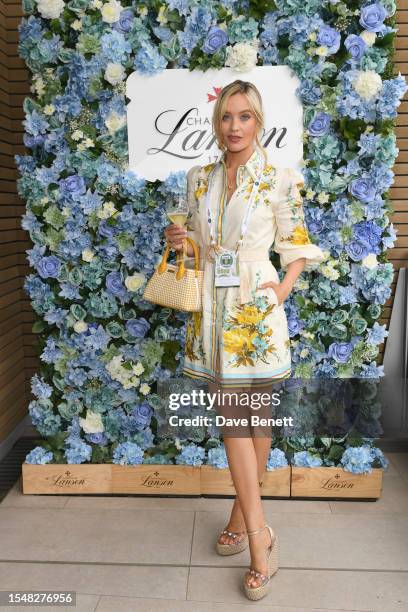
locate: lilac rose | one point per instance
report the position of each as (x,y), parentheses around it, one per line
(340,351)
(216,38)
(362,189)
(138,327)
(330,38)
(73,185)
(143,414)
(114,283)
(357,250)
(372,17)
(49,267)
(320,124)
(356,46)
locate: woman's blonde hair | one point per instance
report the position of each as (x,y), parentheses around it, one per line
(255,102)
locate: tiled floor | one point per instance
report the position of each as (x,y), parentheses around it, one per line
(147,554)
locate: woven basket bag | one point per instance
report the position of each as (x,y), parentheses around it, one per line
(177,286)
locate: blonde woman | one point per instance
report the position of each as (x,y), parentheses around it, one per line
(240,207)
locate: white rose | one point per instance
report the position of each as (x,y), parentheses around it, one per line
(368,37)
(111,11)
(367,84)
(80,327)
(370,261)
(114,73)
(114,121)
(92,423)
(241,57)
(88,255)
(134,282)
(50,9)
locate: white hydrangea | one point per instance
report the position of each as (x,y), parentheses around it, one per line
(92,423)
(114,73)
(367,84)
(242,56)
(50,9)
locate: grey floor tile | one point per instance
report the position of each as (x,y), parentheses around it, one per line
(332,541)
(400,461)
(113,604)
(393,500)
(15,498)
(307,589)
(192,504)
(168,582)
(106,536)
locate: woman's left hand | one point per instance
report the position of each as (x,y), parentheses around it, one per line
(280,291)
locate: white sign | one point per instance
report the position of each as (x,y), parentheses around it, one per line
(169,117)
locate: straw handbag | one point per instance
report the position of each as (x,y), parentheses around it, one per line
(177,286)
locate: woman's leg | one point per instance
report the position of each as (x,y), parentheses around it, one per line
(243,465)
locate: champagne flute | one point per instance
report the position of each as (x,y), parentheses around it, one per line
(177,209)
(177,212)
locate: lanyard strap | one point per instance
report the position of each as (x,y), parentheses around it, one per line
(248,210)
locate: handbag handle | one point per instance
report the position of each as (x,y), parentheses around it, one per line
(180,260)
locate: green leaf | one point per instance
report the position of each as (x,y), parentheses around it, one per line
(38,327)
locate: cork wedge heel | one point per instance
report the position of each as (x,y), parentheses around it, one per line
(255,593)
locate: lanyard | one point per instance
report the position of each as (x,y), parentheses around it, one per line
(248,211)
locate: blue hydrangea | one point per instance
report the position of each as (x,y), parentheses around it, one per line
(191,454)
(39,455)
(276,459)
(128,453)
(306,459)
(359,459)
(217,457)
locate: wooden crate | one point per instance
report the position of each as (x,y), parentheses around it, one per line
(182,480)
(334,482)
(67,479)
(214,481)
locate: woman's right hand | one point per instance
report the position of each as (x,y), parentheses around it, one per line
(175,235)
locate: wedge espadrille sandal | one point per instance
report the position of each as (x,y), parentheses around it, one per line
(260,591)
(234,547)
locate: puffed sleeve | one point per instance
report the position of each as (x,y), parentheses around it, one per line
(193,228)
(292,239)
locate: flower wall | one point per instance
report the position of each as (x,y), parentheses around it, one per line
(97,228)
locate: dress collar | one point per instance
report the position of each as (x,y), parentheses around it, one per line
(253,165)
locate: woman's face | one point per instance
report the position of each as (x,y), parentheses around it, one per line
(238,120)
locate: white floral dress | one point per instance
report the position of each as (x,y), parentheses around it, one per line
(240,338)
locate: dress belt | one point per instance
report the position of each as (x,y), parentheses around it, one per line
(260,254)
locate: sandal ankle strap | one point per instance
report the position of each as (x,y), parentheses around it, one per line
(256,530)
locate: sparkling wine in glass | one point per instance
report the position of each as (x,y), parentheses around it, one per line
(177,209)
